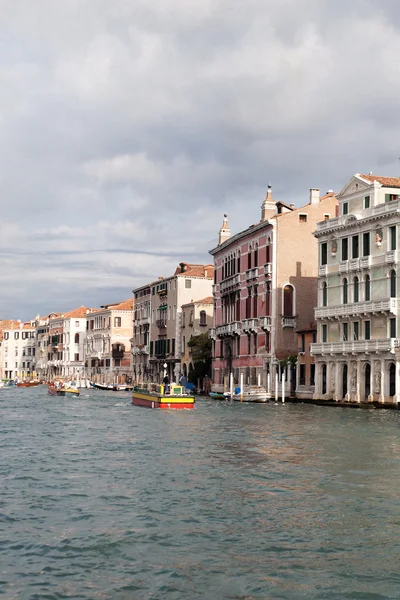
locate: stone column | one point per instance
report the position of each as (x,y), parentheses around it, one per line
(372,383)
(339,368)
(383,381)
(358,386)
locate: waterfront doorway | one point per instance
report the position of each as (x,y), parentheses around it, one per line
(392,379)
(323,372)
(367,381)
(344,381)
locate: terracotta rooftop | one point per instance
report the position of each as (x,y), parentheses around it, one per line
(78,313)
(124,305)
(187,269)
(207,300)
(328,195)
(393,182)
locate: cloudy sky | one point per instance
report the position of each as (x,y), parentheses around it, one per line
(128,127)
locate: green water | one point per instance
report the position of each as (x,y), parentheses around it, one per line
(101,499)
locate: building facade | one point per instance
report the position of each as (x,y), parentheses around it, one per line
(18,350)
(265,289)
(305,368)
(108,343)
(357,313)
(159,319)
(197,318)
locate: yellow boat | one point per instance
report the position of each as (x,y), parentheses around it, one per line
(154,395)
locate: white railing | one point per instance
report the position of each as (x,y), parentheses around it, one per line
(252,274)
(235,327)
(268,269)
(250,324)
(382,345)
(140,349)
(323,270)
(390,257)
(344,266)
(265,323)
(357,308)
(354,264)
(212,333)
(365,262)
(222,330)
(229,283)
(215,288)
(288,322)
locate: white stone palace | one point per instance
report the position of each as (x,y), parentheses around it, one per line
(357,314)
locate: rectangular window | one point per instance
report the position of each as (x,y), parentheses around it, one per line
(117,321)
(314,337)
(173,347)
(312,374)
(392,328)
(392,237)
(76,358)
(366,202)
(345,249)
(303,343)
(324,333)
(354,246)
(303,218)
(76,323)
(367,330)
(345,332)
(355,330)
(345,209)
(324,253)
(188,283)
(366,244)
(302,375)
(151,348)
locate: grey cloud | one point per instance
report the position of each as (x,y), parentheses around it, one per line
(123,123)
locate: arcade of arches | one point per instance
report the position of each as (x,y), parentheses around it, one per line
(373,380)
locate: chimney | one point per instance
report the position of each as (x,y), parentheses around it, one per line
(268,206)
(291,205)
(314,196)
(224,232)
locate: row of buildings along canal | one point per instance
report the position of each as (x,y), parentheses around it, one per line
(309,291)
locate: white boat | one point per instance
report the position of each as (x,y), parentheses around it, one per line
(252,393)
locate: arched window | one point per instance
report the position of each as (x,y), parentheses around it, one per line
(392,379)
(324,294)
(367,287)
(268,304)
(203,317)
(238,262)
(77,338)
(393,284)
(355,290)
(256,255)
(288,301)
(345,291)
(249,258)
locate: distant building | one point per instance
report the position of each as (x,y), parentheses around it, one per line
(197,318)
(358,311)
(265,289)
(108,342)
(157,328)
(44,350)
(18,349)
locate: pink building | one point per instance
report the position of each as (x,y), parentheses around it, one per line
(265,288)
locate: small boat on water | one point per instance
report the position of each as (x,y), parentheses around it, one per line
(112,387)
(71,388)
(252,393)
(27,383)
(220,395)
(154,395)
(52,390)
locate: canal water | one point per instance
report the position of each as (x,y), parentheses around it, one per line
(101,499)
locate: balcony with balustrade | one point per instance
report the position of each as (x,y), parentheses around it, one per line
(288,322)
(268,269)
(228,329)
(265,323)
(356,346)
(252,274)
(357,309)
(229,284)
(250,325)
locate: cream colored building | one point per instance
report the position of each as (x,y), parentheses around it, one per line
(18,350)
(158,328)
(358,310)
(197,318)
(108,343)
